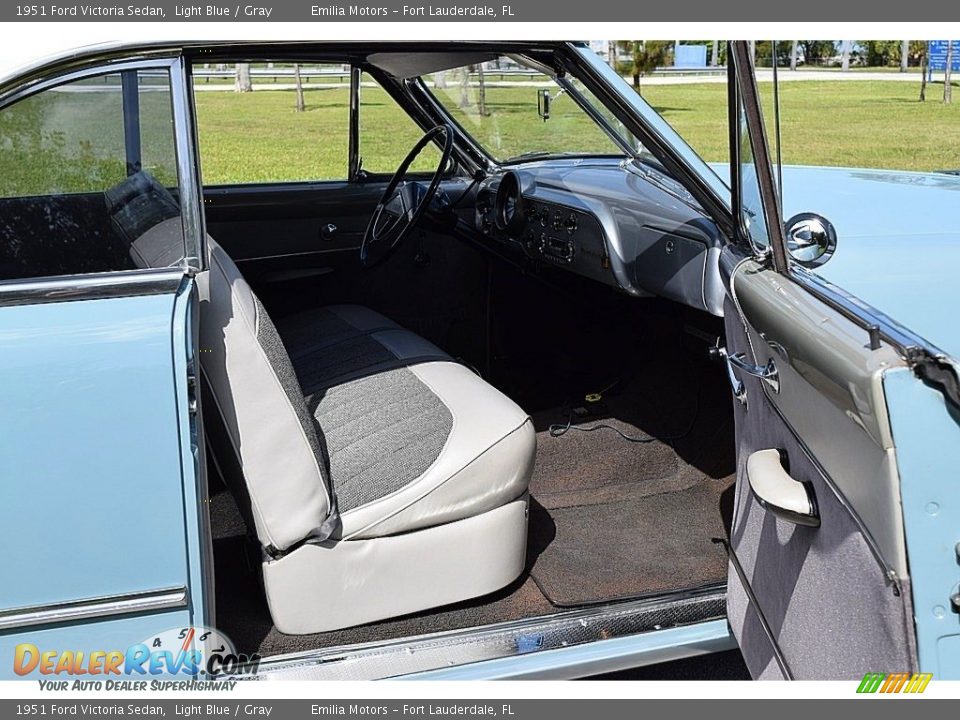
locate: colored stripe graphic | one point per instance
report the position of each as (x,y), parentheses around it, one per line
(894,683)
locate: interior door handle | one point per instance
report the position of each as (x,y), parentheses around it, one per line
(768,373)
(779,493)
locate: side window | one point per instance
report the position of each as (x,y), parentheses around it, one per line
(272,122)
(387,133)
(88,178)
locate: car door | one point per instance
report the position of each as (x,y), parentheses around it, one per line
(101,488)
(819,581)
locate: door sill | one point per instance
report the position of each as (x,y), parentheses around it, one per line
(563,645)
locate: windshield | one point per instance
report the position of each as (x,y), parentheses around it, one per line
(516,112)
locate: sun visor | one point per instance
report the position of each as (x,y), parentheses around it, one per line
(413,64)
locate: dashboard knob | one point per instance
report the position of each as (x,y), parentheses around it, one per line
(571,223)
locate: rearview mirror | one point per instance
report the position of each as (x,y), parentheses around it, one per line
(543,103)
(811,239)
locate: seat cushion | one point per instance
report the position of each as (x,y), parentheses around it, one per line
(413,439)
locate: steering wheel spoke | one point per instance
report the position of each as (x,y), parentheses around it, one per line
(404,203)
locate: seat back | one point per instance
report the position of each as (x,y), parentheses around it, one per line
(248,374)
(278,472)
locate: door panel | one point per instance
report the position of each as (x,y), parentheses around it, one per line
(818,587)
(824,593)
(97,448)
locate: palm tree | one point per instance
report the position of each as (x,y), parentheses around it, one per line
(845,55)
(715,54)
(904,55)
(793,54)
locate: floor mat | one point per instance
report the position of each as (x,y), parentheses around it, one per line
(632,548)
(629,498)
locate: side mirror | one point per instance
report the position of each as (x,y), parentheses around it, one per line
(811,239)
(543,103)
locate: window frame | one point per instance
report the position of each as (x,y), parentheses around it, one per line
(355,174)
(187,177)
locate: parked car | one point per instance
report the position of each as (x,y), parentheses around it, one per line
(537,404)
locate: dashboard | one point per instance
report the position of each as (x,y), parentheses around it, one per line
(626,226)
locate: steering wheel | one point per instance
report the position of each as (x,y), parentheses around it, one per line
(403,203)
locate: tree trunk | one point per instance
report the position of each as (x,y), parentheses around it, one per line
(481,92)
(242,82)
(440,79)
(637,50)
(465,88)
(948,75)
(793,54)
(753,51)
(301,106)
(904,55)
(715,54)
(845,56)
(923,76)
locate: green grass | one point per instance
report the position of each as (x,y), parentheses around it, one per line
(258,136)
(852,123)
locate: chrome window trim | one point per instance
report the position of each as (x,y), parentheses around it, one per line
(188,165)
(95,286)
(108,606)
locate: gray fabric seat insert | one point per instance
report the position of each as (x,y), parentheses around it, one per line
(382,432)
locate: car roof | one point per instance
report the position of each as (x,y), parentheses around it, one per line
(57,52)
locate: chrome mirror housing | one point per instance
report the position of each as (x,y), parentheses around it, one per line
(811,239)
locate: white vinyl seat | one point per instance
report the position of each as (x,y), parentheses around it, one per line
(379,476)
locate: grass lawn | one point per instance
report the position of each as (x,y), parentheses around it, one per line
(258,136)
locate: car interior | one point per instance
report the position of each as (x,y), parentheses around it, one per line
(501,432)
(447,399)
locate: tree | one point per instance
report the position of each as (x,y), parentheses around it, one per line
(845,55)
(948,75)
(645,57)
(242,82)
(904,55)
(301,106)
(481,92)
(793,54)
(816,51)
(923,76)
(715,54)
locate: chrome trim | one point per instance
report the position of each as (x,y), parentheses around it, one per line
(768,373)
(596,658)
(512,640)
(188,165)
(97,286)
(20,89)
(93,608)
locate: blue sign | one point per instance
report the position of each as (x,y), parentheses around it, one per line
(690,56)
(937,55)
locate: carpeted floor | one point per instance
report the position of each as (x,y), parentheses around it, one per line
(631,496)
(610,519)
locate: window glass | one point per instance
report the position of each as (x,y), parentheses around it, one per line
(272,122)
(514,111)
(387,133)
(88,178)
(751,200)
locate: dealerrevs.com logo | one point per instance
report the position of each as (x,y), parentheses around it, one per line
(191,651)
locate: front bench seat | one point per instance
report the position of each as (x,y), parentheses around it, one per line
(380,477)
